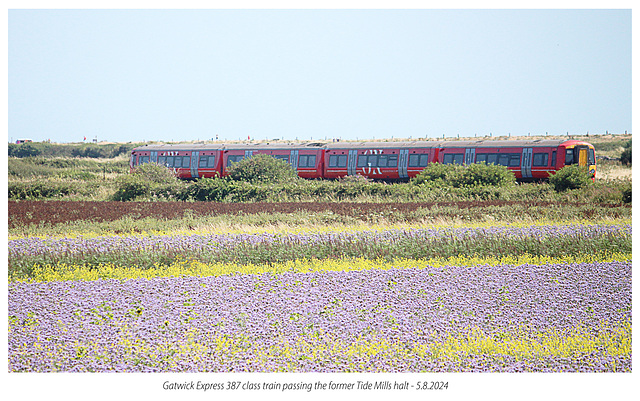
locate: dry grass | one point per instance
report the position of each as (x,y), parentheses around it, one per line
(614,172)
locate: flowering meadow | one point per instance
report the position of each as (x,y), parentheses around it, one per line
(502,298)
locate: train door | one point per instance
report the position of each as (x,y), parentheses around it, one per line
(195,157)
(293,159)
(403,174)
(352,163)
(469,156)
(248,153)
(525,163)
(582,155)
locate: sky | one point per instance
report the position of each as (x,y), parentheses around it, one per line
(184,75)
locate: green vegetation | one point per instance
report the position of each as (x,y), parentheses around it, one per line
(262,169)
(265,179)
(625,156)
(457,176)
(89,150)
(571,177)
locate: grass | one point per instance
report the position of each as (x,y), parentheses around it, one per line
(306,222)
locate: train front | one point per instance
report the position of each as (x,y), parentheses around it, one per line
(581,153)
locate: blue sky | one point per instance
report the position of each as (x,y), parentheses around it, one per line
(181,75)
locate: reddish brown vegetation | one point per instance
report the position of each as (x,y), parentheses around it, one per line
(53,212)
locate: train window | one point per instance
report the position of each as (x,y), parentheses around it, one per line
(338,161)
(503,159)
(414,160)
(169,161)
(303,160)
(492,158)
(481,158)
(234,159)
(453,158)
(342,161)
(514,160)
(383,161)
(424,160)
(362,160)
(540,159)
(211,161)
(162,160)
(144,159)
(203,162)
(568,157)
(307,161)
(282,157)
(177,162)
(372,161)
(333,161)
(393,161)
(553,158)
(186,161)
(592,156)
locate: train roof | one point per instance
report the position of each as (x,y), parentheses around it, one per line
(481,143)
(453,144)
(223,146)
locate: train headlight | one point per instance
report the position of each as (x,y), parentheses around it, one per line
(592,171)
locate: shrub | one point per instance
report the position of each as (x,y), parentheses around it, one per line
(262,169)
(43,189)
(210,189)
(473,175)
(23,150)
(435,173)
(155,173)
(626,192)
(625,156)
(481,174)
(571,177)
(148,180)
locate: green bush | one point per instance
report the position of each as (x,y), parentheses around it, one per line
(91,150)
(435,174)
(262,169)
(473,175)
(155,173)
(44,189)
(626,192)
(149,180)
(571,177)
(23,150)
(481,174)
(210,189)
(625,156)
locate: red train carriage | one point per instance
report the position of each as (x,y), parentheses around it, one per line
(390,161)
(306,159)
(206,161)
(187,161)
(529,160)
(387,161)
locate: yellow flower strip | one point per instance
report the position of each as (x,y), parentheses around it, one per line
(324,228)
(495,350)
(191,267)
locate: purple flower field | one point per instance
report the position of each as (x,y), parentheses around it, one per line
(561,317)
(216,243)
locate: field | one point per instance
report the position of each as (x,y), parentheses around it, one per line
(314,276)
(299,287)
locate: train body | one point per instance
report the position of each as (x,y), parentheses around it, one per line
(388,161)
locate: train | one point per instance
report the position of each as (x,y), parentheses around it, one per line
(530,160)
